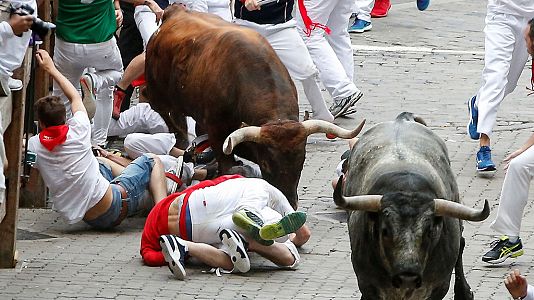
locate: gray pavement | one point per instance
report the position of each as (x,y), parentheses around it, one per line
(77,262)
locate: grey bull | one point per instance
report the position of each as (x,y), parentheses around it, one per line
(405,221)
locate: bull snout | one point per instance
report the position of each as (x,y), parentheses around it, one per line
(407,280)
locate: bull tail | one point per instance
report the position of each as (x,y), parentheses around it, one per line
(408,116)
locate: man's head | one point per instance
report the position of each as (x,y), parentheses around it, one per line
(50,111)
(529,36)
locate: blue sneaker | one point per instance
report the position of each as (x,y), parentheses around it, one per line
(422,4)
(484,163)
(473,119)
(360,26)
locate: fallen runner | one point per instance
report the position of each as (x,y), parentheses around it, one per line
(205,214)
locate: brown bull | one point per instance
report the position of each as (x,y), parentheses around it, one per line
(224,76)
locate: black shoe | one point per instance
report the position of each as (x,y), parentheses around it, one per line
(502,249)
(174,250)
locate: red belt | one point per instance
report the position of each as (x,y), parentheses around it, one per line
(182,229)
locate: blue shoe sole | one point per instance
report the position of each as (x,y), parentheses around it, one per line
(472,125)
(422,4)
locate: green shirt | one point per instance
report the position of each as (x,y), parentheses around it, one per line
(86,21)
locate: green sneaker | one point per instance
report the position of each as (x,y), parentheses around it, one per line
(251,223)
(288,224)
(501,249)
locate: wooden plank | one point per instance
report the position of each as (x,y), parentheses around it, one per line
(33,192)
(13,143)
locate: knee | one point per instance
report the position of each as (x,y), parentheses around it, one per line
(516,166)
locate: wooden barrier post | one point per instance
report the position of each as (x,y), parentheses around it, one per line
(33,193)
(13,144)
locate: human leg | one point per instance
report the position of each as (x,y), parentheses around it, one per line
(145,20)
(282,254)
(135,69)
(339,37)
(331,71)
(106,60)
(499,46)
(293,53)
(68,61)
(139,118)
(364,8)
(135,144)
(514,194)
(144,172)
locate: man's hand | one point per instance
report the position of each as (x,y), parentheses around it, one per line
(516,284)
(252,5)
(45,61)
(154,7)
(118,17)
(20,24)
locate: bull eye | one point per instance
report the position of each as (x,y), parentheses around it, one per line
(385,232)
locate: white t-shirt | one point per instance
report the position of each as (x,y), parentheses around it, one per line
(12,47)
(71,171)
(523,8)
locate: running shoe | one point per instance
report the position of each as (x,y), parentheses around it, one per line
(339,108)
(288,224)
(484,163)
(422,4)
(473,119)
(251,223)
(360,26)
(87,85)
(501,249)
(234,246)
(174,250)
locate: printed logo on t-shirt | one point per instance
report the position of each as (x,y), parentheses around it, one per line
(86,1)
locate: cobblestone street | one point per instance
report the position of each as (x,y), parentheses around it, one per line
(428,63)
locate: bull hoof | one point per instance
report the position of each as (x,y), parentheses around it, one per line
(468,295)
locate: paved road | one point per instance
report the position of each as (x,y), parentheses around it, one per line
(421,77)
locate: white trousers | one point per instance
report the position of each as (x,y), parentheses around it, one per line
(72,59)
(138,118)
(504,60)
(137,144)
(331,53)
(145,20)
(514,194)
(363,9)
(210,213)
(220,8)
(290,48)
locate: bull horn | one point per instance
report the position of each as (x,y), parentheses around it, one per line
(370,203)
(245,134)
(452,209)
(315,126)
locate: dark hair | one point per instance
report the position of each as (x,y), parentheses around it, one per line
(50,110)
(531,29)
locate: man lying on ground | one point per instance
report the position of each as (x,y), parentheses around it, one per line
(81,187)
(208,212)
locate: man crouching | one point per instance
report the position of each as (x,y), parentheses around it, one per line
(205,222)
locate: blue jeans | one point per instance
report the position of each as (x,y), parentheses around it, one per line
(134,179)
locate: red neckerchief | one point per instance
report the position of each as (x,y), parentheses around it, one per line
(52,136)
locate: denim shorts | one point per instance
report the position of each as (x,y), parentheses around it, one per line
(134,179)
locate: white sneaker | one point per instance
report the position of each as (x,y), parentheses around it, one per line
(88,94)
(234,246)
(173,176)
(14,84)
(174,250)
